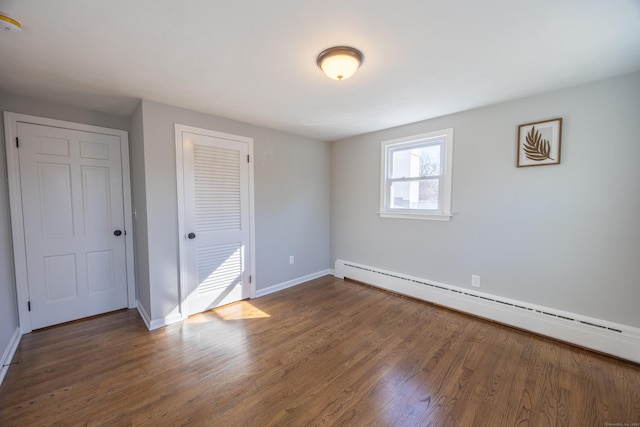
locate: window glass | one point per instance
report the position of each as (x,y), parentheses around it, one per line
(416,162)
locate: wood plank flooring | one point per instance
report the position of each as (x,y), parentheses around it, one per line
(328,352)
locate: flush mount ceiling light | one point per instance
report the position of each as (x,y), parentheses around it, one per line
(340,62)
(9,24)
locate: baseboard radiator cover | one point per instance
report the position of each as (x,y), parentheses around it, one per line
(618,340)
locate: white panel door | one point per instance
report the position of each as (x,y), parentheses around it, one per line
(72,203)
(216,215)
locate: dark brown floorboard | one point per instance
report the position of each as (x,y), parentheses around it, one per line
(328,352)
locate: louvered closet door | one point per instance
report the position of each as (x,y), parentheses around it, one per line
(216,181)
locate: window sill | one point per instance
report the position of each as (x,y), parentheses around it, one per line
(407,215)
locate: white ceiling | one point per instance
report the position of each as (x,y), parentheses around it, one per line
(254,61)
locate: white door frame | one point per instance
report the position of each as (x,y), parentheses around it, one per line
(15,205)
(182,232)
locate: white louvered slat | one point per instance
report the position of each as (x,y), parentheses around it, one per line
(218,267)
(217,189)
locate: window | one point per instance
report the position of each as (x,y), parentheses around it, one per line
(416,176)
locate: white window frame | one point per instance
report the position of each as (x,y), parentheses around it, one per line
(443,213)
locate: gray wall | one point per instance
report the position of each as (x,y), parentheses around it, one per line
(291,201)
(139,206)
(8,303)
(35,107)
(564,236)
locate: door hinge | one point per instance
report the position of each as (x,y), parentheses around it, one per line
(249,279)
(17,142)
(248,161)
(29,305)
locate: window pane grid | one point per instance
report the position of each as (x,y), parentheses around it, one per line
(416,175)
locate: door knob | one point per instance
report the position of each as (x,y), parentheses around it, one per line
(117,233)
(191,235)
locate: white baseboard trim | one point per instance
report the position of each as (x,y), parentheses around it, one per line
(600,335)
(165,321)
(8,353)
(291,283)
(157,323)
(143,313)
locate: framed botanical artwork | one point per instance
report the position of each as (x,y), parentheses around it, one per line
(539,143)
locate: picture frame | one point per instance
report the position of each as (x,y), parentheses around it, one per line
(539,143)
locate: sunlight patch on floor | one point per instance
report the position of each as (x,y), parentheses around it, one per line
(240,310)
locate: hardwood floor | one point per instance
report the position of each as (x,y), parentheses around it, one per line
(328,352)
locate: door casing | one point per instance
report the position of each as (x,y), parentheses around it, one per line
(11,121)
(182,232)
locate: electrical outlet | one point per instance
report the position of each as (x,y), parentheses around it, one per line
(291,260)
(475,281)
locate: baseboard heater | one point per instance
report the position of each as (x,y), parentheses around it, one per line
(607,337)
